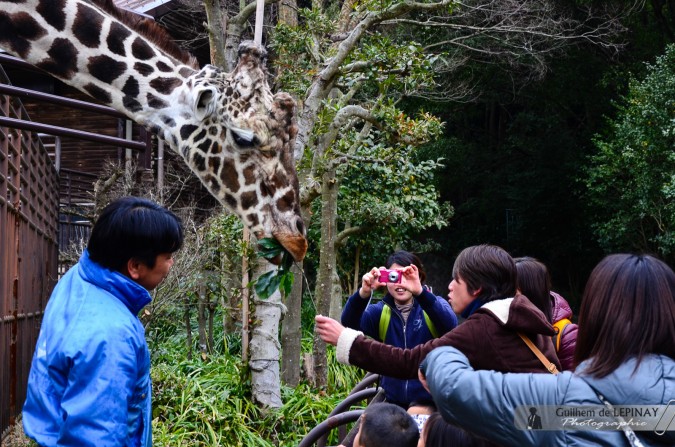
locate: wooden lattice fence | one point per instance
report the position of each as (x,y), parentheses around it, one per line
(29,205)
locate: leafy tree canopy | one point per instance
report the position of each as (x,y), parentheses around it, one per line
(631,179)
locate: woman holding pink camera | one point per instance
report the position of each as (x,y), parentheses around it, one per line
(408,315)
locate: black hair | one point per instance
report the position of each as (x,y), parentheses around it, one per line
(133,228)
(405,258)
(488,268)
(626,295)
(439,433)
(534,281)
(387,424)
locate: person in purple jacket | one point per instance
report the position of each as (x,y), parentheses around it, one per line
(408,315)
(534,281)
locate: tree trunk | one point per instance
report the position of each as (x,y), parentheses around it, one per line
(327,259)
(335,297)
(265,348)
(291,332)
(216,31)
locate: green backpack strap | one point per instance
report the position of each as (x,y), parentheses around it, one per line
(430,325)
(559,327)
(385,317)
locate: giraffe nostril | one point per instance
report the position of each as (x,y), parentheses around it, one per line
(300,226)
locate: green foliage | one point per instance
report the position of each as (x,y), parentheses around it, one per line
(282,277)
(207,403)
(296,67)
(631,179)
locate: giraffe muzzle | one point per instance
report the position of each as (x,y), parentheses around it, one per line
(294,243)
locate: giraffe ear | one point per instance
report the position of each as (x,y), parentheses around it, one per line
(205,102)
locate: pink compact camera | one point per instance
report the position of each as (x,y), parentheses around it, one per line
(391,276)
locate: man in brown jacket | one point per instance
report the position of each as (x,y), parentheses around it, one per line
(483,290)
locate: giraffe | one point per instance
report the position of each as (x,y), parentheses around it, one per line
(234,134)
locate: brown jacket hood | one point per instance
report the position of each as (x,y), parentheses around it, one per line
(519,315)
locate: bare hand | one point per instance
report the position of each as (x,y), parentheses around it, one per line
(369,282)
(412,280)
(328,329)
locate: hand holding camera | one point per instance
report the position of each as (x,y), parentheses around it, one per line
(390,276)
(378,277)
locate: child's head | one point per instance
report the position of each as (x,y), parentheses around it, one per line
(438,433)
(420,410)
(386,425)
(133,228)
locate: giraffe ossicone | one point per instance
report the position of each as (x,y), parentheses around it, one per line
(233,132)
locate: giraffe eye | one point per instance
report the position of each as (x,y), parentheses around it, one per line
(244,138)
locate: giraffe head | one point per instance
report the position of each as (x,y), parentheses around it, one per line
(242,147)
(229,127)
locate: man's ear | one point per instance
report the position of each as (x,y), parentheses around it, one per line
(133,268)
(477,292)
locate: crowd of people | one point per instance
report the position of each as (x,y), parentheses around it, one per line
(446,384)
(518,350)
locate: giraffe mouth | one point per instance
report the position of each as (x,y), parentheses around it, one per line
(294,244)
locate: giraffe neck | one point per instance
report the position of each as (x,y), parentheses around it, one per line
(87,48)
(230,129)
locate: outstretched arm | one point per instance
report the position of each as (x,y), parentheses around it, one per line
(487,402)
(355,349)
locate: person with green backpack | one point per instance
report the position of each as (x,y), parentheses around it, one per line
(409,314)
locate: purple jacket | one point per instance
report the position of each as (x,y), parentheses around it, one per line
(560,309)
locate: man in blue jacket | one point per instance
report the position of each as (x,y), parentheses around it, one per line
(89,383)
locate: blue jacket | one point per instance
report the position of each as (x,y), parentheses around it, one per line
(89,383)
(358,315)
(489,403)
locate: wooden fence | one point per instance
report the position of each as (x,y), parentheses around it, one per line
(29,205)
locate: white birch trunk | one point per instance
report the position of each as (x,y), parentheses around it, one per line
(265,346)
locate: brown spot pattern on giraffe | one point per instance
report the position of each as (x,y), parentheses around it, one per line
(161,66)
(253,219)
(63,61)
(155,102)
(249,175)
(144,69)
(87,26)
(53,13)
(18,30)
(131,87)
(214,164)
(97,92)
(249,199)
(140,49)
(116,37)
(216,148)
(105,68)
(286,202)
(198,161)
(165,85)
(228,175)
